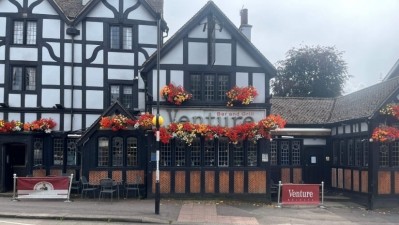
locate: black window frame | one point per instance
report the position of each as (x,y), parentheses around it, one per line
(216,97)
(23,84)
(25,32)
(122,96)
(121,40)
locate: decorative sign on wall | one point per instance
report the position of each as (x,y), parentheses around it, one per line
(221,117)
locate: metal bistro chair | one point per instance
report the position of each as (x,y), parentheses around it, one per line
(107,187)
(86,187)
(134,187)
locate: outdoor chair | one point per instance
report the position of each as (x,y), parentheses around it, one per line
(76,186)
(86,187)
(107,186)
(134,187)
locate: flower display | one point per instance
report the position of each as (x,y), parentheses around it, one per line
(116,122)
(242,95)
(144,120)
(43,124)
(391,110)
(175,94)
(385,134)
(10,126)
(270,123)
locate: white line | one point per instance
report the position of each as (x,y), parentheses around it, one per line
(2,222)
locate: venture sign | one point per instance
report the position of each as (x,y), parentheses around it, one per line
(225,118)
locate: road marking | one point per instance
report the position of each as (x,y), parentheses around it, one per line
(2,222)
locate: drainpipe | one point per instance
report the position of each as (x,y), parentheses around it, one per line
(73,32)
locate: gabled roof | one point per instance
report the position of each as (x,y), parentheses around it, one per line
(362,104)
(236,34)
(73,11)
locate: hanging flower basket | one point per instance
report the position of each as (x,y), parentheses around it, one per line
(144,121)
(241,95)
(12,126)
(116,122)
(175,94)
(385,134)
(43,124)
(391,110)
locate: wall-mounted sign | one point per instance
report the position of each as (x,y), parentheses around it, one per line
(221,117)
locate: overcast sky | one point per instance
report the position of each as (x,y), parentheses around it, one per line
(367,31)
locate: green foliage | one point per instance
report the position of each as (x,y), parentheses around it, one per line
(311,72)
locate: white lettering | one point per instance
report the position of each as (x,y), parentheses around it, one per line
(300,194)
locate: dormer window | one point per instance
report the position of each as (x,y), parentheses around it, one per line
(121,37)
(25,32)
(209,86)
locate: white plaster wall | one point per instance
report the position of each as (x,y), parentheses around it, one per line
(223,54)
(90,51)
(121,58)
(175,56)
(6,6)
(142,58)
(67,98)
(30,117)
(94,31)
(177,77)
(43,8)
(120,74)
(150,51)
(50,97)
(67,122)
(55,117)
(141,82)
(259,83)
(1,94)
(2,71)
(14,116)
(314,141)
(162,82)
(2,28)
(30,101)
(141,101)
(100,58)
(25,54)
(77,76)
(198,31)
(241,79)
(244,59)
(348,129)
(14,100)
(94,77)
(197,53)
(222,34)
(2,52)
(94,99)
(51,28)
(78,37)
(46,57)
(50,75)
(90,119)
(140,14)
(1,115)
(77,99)
(364,127)
(101,11)
(77,122)
(114,4)
(56,48)
(340,130)
(147,34)
(128,3)
(77,53)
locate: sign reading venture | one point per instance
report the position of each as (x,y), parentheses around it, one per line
(221,117)
(300,194)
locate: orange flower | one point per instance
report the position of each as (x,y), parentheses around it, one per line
(175,94)
(243,95)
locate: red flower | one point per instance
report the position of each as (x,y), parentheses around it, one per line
(175,94)
(243,95)
(385,134)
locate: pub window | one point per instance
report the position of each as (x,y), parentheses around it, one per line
(341,152)
(223,152)
(350,152)
(117,151)
(37,151)
(121,37)
(252,154)
(123,94)
(296,153)
(103,150)
(209,153)
(165,155)
(358,149)
(273,153)
(195,150)
(24,32)
(71,152)
(58,151)
(131,143)
(365,153)
(285,153)
(23,78)
(395,154)
(209,87)
(180,153)
(238,154)
(335,152)
(384,155)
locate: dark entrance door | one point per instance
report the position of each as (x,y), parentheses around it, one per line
(15,162)
(313,165)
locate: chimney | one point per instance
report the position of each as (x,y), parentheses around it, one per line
(245,28)
(157,5)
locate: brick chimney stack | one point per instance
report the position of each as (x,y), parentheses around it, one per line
(245,28)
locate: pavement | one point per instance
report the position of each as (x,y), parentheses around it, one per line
(335,210)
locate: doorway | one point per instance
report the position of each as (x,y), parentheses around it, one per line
(313,165)
(14,163)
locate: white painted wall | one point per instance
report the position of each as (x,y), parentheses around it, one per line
(25,54)
(2,94)
(162,82)
(177,77)
(120,74)
(94,77)
(77,122)
(340,130)
(2,71)
(90,52)
(223,54)
(94,99)
(50,97)
(141,101)
(14,116)
(197,53)
(242,79)
(348,129)
(121,58)
(6,6)
(198,31)
(46,57)
(147,34)
(2,28)
(77,53)
(55,117)
(94,31)
(175,56)
(222,34)
(128,3)
(2,52)
(77,76)
(51,28)
(78,37)
(43,8)
(30,117)
(14,100)
(142,58)
(140,14)
(259,81)
(30,101)
(50,75)
(90,119)
(244,59)
(101,11)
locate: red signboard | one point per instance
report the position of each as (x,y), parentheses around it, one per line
(297,194)
(43,187)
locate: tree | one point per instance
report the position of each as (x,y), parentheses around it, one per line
(311,72)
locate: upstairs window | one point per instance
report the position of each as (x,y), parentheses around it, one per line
(23,78)
(25,32)
(123,94)
(209,87)
(121,37)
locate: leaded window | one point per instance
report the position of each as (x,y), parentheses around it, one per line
(358,150)
(395,153)
(103,151)
(123,94)
(195,150)
(131,143)
(252,154)
(273,153)
(121,37)
(209,87)
(285,153)
(58,151)
(25,32)
(296,153)
(37,151)
(223,152)
(71,152)
(238,154)
(384,155)
(365,153)
(350,152)
(180,153)
(117,151)
(209,153)
(165,155)
(23,78)
(341,152)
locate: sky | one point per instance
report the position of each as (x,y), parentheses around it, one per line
(366,31)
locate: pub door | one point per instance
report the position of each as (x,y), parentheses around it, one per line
(313,163)
(15,163)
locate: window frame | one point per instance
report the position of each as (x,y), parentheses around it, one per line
(25,32)
(202,86)
(121,37)
(23,79)
(122,96)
